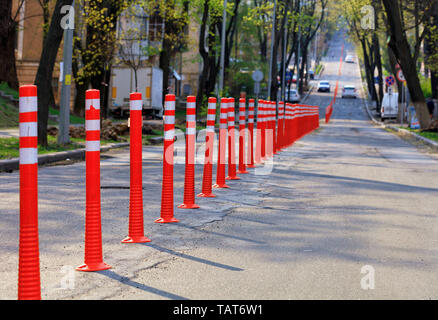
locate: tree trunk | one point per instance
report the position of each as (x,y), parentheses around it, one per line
(378,61)
(229,37)
(43,77)
(430,47)
(368,72)
(213,62)
(204,54)
(165,66)
(79,103)
(402,51)
(8,29)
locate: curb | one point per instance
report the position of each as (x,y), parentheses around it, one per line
(417,137)
(79,154)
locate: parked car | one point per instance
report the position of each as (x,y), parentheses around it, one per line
(389,106)
(324,86)
(349,91)
(292,96)
(349,59)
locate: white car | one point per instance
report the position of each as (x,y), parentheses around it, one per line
(349,59)
(349,91)
(324,86)
(292,96)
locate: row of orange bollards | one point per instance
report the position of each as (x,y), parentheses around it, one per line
(271,136)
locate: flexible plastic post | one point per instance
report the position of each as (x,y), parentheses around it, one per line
(209,143)
(93,227)
(136,223)
(280,126)
(263,129)
(29,287)
(274,127)
(232,170)
(220,173)
(258,151)
(189,180)
(250,155)
(242,135)
(167,184)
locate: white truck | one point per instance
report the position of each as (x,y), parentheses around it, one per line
(389,106)
(150,85)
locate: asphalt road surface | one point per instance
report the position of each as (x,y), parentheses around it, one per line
(348,212)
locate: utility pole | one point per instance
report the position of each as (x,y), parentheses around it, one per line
(64,110)
(272,49)
(222,61)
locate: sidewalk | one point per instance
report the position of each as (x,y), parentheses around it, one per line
(397,127)
(9,132)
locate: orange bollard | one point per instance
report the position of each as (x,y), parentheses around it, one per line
(285,132)
(250,160)
(280,126)
(29,286)
(167,185)
(220,174)
(262,110)
(288,126)
(291,128)
(93,226)
(136,225)
(268,131)
(258,151)
(274,127)
(299,122)
(242,134)
(231,141)
(209,142)
(189,180)
(317,117)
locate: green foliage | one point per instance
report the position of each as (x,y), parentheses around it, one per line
(8,115)
(73,119)
(6,89)
(426,86)
(318,69)
(95,37)
(9,147)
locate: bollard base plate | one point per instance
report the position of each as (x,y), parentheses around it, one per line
(232,178)
(93,267)
(188,206)
(250,166)
(242,172)
(166,220)
(138,239)
(206,195)
(220,186)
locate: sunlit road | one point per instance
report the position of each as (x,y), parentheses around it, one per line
(345,199)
